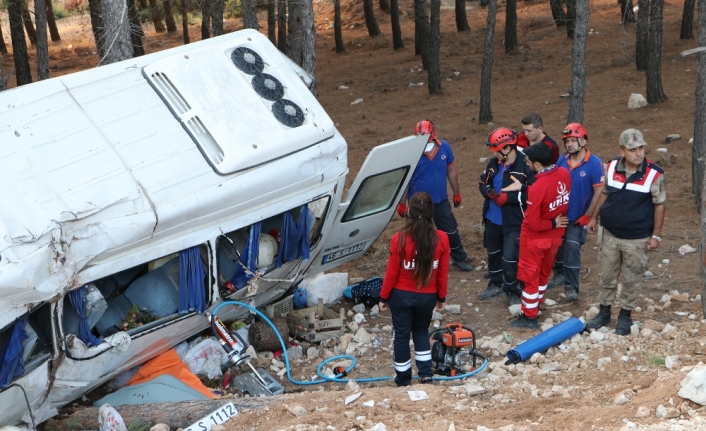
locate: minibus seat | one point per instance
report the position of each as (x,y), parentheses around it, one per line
(118,281)
(114,315)
(157,291)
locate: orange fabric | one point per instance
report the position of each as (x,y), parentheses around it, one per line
(169,363)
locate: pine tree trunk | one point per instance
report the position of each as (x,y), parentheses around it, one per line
(51,20)
(703,246)
(461,19)
(3,80)
(118,45)
(184,22)
(655,93)
(309,51)
(570,18)
(433,42)
(397,42)
(94,9)
(698,149)
(206,16)
(42,43)
(169,16)
(557,12)
(19,45)
(338,34)
(370,21)
(272,21)
(510,26)
(3,47)
(486,113)
(136,31)
(156,17)
(578,70)
(421,29)
(643,14)
(217,11)
(249,8)
(626,13)
(27,18)
(282,25)
(174,415)
(295,36)
(687,20)
(384,5)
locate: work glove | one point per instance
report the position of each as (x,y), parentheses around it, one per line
(492,193)
(402,210)
(501,199)
(583,220)
(457,201)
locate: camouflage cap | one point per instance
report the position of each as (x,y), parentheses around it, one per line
(631,138)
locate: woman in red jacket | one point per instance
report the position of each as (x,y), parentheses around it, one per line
(415,282)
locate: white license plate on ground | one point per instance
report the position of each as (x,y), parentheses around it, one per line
(216,417)
(344,252)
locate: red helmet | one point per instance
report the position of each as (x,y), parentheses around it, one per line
(574,130)
(425,127)
(500,137)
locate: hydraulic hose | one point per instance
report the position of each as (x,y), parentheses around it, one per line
(339,378)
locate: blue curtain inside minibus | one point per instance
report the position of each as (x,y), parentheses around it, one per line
(294,242)
(78,301)
(248,257)
(13,364)
(192,292)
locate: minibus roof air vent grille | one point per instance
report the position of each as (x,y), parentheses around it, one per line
(288,113)
(247,60)
(268,87)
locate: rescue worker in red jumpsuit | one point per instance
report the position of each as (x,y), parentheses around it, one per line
(542,229)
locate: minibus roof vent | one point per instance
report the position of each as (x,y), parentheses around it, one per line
(247,60)
(288,113)
(268,87)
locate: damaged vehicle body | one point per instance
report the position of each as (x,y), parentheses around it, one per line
(140,195)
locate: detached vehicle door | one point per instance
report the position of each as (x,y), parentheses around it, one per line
(370,202)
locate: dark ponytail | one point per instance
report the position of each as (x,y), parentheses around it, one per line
(420,229)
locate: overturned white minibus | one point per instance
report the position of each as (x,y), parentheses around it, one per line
(163,185)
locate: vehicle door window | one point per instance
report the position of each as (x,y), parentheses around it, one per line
(376,194)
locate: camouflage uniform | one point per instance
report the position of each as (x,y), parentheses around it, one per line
(626,256)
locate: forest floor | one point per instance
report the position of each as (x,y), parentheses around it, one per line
(567,389)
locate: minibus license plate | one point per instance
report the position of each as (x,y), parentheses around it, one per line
(216,417)
(344,252)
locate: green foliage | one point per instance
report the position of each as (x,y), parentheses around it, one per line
(233,9)
(136,317)
(656,361)
(138,425)
(60,11)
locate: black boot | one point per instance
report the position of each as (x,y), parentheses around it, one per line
(602,319)
(491,291)
(624,322)
(524,322)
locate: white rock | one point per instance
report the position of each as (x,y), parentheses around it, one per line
(296,410)
(468,389)
(353,326)
(671,361)
(352,386)
(597,336)
(623,397)
(437,316)
(369,403)
(637,101)
(515,310)
(665,261)
(359,308)
(359,318)
(672,137)
(378,427)
(661,150)
(375,311)
(343,87)
(362,336)
(311,352)
(549,302)
(693,386)
(591,313)
(666,412)
(603,361)
(351,398)
(357,101)
(452,308)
